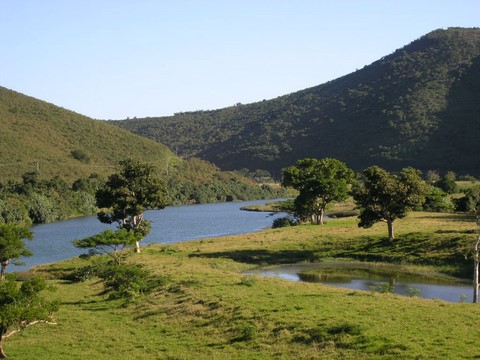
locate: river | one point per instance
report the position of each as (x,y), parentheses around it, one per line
(53,242)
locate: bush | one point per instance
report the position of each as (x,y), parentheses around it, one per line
(129,281)
(284,222)
(81,156)
(447,183)
(83,274)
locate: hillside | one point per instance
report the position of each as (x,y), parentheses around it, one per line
(35,135)
(35,132)
(415,107)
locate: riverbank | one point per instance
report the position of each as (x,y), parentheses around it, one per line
(207,309)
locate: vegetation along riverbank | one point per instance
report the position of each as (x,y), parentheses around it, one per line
(203,307)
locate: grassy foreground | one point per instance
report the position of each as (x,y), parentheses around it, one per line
(208,310)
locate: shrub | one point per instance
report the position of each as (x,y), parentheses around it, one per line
(129,281)
(81,156)
(83,274)
(247,331)
(284,222)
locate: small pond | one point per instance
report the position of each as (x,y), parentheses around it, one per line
(370,277)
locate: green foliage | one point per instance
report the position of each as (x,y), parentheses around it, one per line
(386,197)
(81,156)
(417,106)
(246,332)
(383,288)
(283,222)
(436,200)
(412,292)
(22,305)
(112,243)
(129,281)
(447,183)
(83,274)
(319,183)
(128,193)
(14,209)
(12,245)
(470,202)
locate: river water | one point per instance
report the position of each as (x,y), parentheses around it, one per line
(53,242)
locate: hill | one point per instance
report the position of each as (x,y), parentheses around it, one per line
(49,141)
(415,107)
(38,135)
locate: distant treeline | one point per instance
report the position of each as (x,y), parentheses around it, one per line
(33,200)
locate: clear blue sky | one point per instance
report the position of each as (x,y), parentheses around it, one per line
(112,59)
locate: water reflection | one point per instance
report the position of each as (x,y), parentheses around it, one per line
(366,277)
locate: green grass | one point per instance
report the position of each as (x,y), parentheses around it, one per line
(209,310)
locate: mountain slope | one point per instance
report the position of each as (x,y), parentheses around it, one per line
(33,132)
(416,107)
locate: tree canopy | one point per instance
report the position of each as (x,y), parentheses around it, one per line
(319,182)
(21,306)
(12,246)
(383,196)
(128,193)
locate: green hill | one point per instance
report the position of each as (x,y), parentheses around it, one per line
(64,143)
(418,107)
(38,136)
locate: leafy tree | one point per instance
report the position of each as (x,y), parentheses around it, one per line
(319,182)
(470,202)
(14,209)
(447,183)
(128,194)
(386,197)
(111,243)
(12,246)
(436,200)
(22,306)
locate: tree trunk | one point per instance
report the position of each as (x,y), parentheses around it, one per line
(2,353)
(475,270)
(391,235)
(137,219)
(320,217)
(2,269)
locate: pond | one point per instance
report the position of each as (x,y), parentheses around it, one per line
(53,242)
(369,277)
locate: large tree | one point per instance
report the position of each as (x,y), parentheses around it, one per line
(128,193)
(12,245)
(319,183)
(383,196)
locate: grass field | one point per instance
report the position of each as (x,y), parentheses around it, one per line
(207,309)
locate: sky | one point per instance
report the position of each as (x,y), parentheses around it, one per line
(114,59)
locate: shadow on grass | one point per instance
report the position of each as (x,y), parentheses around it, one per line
(263,257)
(452,217)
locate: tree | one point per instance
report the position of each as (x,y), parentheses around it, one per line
(319,182)
(12,246)
(128,194)
(386,197)
(448,183)
(22,306)
(471,202)
(111,243)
